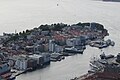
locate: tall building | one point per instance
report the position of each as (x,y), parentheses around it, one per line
(51,46)
(21,63)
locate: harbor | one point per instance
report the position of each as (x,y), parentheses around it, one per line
(103,67)
(80,62)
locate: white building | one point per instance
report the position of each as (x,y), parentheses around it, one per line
(51,46)
(70,42)
(21,63)
(58,48)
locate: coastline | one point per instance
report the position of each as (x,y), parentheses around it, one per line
(33,48)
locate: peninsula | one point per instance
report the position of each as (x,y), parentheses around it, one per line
(33,49)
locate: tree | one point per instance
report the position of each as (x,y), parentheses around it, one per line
(44,27)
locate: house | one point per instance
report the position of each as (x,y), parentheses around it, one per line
(45,33)
(39,59)
(58,48)
(46,58)
(32,64)
(21,63)
(70,42)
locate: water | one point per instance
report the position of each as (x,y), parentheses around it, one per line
(26,14)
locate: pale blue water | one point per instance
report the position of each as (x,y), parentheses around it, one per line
(26,14)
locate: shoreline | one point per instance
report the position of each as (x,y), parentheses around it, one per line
(33,48)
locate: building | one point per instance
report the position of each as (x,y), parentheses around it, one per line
(21,63)
(58,48)
(32,64)
(51,46)
(38,48)
(78,41)
(46,47)
(46,58)
(45,33)
(39,59)
(5,71)
(29,48)
(70,42)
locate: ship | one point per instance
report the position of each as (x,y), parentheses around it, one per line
(74,50)
(107,67)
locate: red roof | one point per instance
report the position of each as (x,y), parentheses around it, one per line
(6,75)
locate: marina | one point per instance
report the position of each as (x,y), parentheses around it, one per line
(103,67)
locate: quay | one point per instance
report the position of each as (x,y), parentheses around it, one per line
(107,67)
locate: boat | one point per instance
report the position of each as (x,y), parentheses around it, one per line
(55,57)
(12,78)
(112,43)
(73,50)
(102,46)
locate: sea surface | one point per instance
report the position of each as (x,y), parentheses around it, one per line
(20,15)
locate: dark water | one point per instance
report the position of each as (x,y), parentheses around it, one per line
(26,14)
